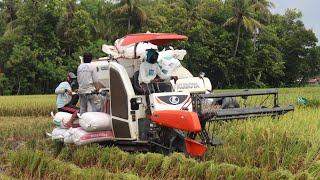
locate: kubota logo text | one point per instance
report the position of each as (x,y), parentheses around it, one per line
(188,86)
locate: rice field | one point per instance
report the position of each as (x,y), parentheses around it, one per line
(266,148)
(28,105)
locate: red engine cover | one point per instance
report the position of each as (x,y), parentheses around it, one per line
(177,119)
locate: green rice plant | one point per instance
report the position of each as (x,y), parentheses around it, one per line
(153,163)
(36,164)
(198,170)
(165,166)
(86,156)
(314,169)
(139,162)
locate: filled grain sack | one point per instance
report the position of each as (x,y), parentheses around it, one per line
(182,73)
(95,121)
(68,136)
(61,118)
(58,134)
(81,137)
(130,51)
(167,62)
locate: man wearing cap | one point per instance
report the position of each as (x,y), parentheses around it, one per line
(150,69)
(66,101)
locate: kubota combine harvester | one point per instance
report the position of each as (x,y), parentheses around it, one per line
(177,120)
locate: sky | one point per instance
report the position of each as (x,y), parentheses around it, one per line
(310,12)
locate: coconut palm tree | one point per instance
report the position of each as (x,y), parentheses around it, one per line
(243,15)
(133,11)
(263,6)
(193,8)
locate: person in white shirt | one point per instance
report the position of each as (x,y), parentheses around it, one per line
(66,100)
(86,86)
(149,70)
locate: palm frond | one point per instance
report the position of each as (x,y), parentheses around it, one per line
(250,24)
(140,13)
(231,21)
(262,6)
(120,10)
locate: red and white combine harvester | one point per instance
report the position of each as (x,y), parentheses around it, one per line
(176,120)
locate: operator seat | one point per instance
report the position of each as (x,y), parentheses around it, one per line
(139,91)
(136,85)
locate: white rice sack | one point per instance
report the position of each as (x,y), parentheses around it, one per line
(58,134)
(81,137)
(95,121)
(68,136)
(61,118)
(167,62)
(182,73)
(179,54)
(112,50)
(128,51)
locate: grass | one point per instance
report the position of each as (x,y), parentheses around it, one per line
(265,148)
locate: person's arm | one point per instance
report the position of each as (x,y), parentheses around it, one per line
(162,75)
(94,77)
(61,89)
(166,76)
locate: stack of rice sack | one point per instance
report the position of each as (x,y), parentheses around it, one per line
(169,62)
(130,51)
(90,127)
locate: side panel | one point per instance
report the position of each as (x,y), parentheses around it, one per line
(121,129)
(119,96)
(121,92)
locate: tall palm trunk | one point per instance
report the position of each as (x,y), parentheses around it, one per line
(255,36)
(238,39)
(129,24)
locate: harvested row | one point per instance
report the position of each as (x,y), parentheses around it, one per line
(35,164)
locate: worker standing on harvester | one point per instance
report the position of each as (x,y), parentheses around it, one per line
(149,70)
(86,86)
(66,100)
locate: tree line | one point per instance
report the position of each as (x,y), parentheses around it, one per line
(237,43)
